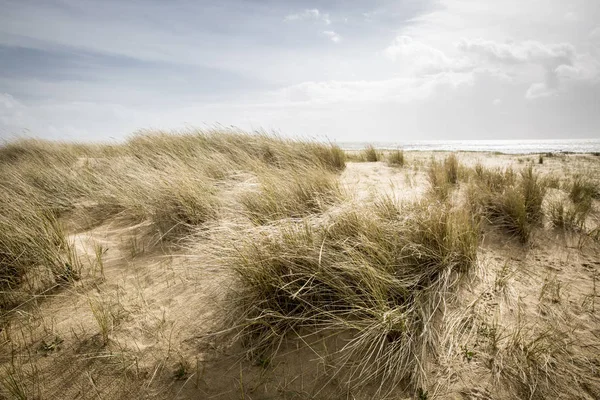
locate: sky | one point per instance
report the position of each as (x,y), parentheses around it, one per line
(350,70)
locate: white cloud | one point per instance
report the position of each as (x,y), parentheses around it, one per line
(8,102)
(335,38)
(497,102)
(422,58)
(572,17)
(402,89)
(524,52)
(539,90)
(309,14)
(558,63)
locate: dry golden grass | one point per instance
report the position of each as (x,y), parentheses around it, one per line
(171,181)
(509,201)
(375,275)
(395,158)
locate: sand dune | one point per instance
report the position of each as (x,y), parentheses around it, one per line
(146,317)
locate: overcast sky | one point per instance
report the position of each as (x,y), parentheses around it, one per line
(346,70)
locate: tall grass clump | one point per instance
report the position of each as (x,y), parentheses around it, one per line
(451,169)
(30,237)
(564,215)
(291,194)
(396,158)
(330,157)
(443,176)
(533,189)
(512,203)
(378,279)
(370,154)
(572,213)
(583,190)
(181,204)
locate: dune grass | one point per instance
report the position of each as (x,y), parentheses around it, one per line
(509,201)
(443,176)
(377,278)
(291,194)
(395,158)
(171,182)
(370,154)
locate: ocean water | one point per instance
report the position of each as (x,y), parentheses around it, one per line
(503,146)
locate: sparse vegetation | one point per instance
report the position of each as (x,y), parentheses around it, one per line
(513,203)
(370,154)
(583,190)
(568,216)
(396,158)
(443,176)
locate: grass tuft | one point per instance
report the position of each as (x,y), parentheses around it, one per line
(443,176)
(512,203)
(370,154)
(291,194)
(373,276)
(396,158)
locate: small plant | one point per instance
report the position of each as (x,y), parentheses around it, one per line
(396,158)
(468,354)
(263,362)
(439,186)
(181,371)
(511,204)
(99,252)
(451,169)
(20,381)
(568,216)
(583,190)
(370,154)
(103,317)
(541,159)
(443,176)
(551,290)
(51,346)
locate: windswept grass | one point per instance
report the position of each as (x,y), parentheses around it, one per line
(512,203)
(30,236)
(443,176)
(370,154)
(396,158)
(169,182)
(379,279)
(583,190)
(291,194)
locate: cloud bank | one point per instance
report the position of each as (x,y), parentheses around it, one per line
(450,69)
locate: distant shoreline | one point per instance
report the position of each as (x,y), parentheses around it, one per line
(492,146)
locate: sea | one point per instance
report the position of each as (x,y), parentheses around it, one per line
(501,146)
